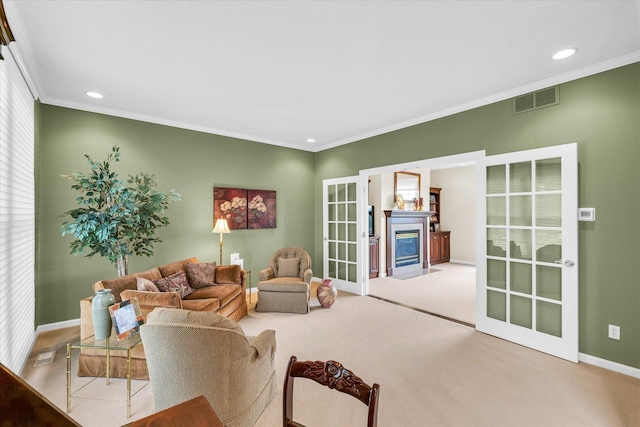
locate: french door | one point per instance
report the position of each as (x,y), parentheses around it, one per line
(341,201)
(527,274)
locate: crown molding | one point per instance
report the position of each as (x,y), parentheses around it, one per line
(563,78)
(542,84)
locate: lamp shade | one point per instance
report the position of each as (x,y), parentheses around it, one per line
(221,226)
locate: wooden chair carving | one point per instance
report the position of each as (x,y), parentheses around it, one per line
(333,375)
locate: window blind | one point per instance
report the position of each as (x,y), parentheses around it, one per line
(17,216)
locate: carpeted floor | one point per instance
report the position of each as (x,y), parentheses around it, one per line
(448,290)
(431,371)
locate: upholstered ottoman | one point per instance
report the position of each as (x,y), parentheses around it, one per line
(284,295)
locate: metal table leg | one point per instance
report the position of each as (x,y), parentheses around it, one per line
(68,378)
(108,369)
(128,383)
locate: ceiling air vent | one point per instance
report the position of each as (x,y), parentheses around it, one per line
(535,100)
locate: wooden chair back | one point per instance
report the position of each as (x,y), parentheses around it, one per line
(333,375)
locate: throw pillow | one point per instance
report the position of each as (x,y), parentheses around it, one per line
(288,267)
(229,275)
(146,285)
(175,283)
(201,274)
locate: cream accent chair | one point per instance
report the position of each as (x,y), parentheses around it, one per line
(284,285)
(193,353)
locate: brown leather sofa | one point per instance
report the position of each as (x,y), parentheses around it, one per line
(227,298)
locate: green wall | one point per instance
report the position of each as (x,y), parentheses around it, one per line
(602,114)
(192,163)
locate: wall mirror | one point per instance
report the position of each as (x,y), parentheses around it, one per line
(407,185)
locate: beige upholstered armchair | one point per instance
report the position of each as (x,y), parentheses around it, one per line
(192,353)
(284,285)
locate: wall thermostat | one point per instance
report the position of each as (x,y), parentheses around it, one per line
(586,214)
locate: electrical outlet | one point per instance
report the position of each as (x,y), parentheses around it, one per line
(614,332)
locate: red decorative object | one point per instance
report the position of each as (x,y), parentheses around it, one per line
(327,293)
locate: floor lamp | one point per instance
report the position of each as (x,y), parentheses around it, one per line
(223,228)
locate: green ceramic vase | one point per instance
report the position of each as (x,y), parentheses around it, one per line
(100,313)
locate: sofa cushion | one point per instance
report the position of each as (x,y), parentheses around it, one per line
(202,304)
(169,269)
(228,275)
(224,293)
(175,283)
(283,284)
(288,267)
(129,281)
(202,274)
(145,285)
(150,300)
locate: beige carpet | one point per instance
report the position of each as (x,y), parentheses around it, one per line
(432,372)
(450,291)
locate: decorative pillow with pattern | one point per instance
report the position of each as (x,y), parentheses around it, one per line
(288,267)
(201,274)
(175,283)
(146,285)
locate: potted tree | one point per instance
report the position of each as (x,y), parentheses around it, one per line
(115,218)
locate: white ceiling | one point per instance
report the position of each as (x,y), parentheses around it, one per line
(336,71)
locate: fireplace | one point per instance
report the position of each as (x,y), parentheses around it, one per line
(407,240)
(407,248)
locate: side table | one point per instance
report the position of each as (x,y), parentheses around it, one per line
(105,344)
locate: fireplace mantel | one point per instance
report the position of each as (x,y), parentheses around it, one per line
(407,217)
(408,214)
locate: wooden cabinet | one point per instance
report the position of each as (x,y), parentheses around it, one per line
(374,256)
(439,247)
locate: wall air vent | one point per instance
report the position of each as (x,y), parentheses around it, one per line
(535,100)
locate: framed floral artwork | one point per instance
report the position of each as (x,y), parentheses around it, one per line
(230,203)
(261,206)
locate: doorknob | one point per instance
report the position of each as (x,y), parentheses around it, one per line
(567,263)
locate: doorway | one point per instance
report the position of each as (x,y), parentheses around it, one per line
(526,275)
(446,290)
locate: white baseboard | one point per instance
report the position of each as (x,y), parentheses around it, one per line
(607,364)
(458,261)
(57,325)
(44,328)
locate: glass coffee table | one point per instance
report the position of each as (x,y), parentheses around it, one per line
(105,344)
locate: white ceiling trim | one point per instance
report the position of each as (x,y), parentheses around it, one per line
(161,121)
(556,80)
(577,74)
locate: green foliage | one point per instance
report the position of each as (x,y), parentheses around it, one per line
(115,218)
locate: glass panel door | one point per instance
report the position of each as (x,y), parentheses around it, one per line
(341,231)
(527,282)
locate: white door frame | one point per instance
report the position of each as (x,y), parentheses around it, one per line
(445,162)
(464,160)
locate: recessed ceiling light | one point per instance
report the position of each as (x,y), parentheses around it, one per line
(311,140)
(95,95)
(564,53)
